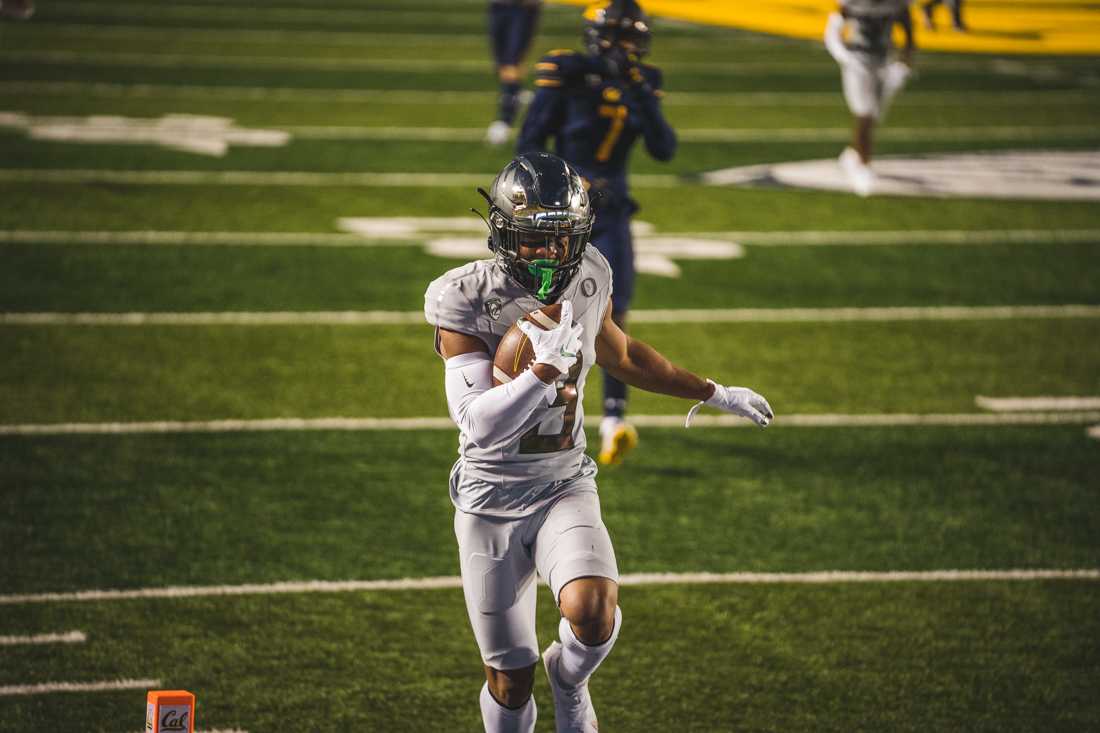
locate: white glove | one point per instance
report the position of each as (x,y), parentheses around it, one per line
(558,347)
(894,77)
(739,401)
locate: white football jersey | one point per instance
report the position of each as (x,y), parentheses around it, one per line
(517,477)
(871,24)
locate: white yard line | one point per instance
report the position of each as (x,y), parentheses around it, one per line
(275,318)
(360,39)
(906,237)
(177,238)
(728,135)
(436,98)
(1032,404)
(829,577)
(755,239)
(443,423)
(191,60)
(69,637)
(108,686)
(405,133)
(901,134)
(260,178)
(345,63)
(800,315)
(726,315)
(231,426)
(278,178)
(337,16)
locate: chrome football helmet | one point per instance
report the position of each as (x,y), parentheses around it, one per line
(539,201)
(609,23)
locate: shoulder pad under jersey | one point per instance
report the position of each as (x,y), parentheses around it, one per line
(449,299)
(596,267)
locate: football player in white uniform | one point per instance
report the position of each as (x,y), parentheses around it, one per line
(859,37)
(16,9)
(523,488)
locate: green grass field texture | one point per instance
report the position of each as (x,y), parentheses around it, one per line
(86,512)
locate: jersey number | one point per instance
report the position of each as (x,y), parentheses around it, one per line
(617,114)
(568,397)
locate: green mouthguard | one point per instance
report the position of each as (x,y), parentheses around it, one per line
(544,271)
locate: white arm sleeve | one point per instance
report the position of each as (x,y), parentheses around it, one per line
(834,39)
(488,415)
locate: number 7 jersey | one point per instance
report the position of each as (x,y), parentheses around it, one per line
(520,474)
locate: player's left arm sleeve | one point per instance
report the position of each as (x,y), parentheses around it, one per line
(659,137)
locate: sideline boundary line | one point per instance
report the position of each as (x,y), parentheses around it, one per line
(726,315)
(829,577)
(824,420)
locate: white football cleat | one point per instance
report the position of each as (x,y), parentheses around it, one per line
(617,438)
(859,173)
(498,132)
(573,711)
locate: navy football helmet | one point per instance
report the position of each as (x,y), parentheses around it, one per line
(539,200)
(611,23)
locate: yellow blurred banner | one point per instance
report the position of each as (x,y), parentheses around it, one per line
(995,26)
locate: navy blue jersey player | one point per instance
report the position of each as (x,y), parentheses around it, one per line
(596,106)
(512,26)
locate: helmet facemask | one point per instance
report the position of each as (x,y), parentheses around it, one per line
(544,278)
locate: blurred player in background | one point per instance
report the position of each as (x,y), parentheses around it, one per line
(596,105)
(928,8)
(860,37)
(512,26)
(16,9)
(523,487)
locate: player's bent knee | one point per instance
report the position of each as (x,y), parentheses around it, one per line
(511,687)
(589,606)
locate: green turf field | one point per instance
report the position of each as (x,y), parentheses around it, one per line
(388,87)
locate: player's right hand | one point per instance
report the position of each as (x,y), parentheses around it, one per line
(559,347)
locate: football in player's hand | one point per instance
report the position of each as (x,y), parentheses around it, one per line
(514,353)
